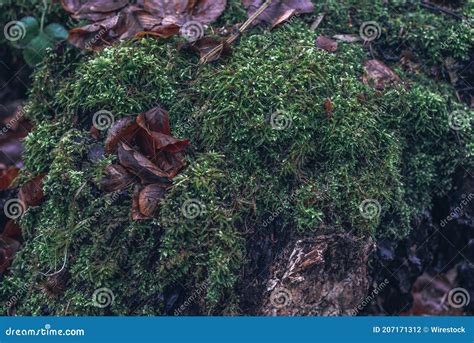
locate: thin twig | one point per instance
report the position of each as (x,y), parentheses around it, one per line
(317,22)
(235,35)
(444,10)
(61,269)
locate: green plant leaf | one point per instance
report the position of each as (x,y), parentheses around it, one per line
(56,32)
(29,28)
(35,51)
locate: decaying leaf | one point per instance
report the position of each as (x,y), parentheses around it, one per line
(117,178)
(148,157)
(137,164)
(155,133)
(326,43)
(328,107)
(112,21)
(379,75)
(7,176)
(148,199)
(279,10)
(122,131)
(180,12)
(31,193)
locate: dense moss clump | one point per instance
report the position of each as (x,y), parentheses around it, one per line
(406,25)
(270,159)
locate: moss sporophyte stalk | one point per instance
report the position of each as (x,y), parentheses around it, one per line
(257,177)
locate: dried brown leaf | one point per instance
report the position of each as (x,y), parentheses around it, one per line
(326,43)
(117,178)
(149,200)
(379,75)
(123,130)
(31,193)
(7,176)
(279,11)
(180,12)
(138,165)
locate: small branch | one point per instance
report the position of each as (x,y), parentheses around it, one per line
(60,270)
(444,10)
(43,14)
(235,35)
(317,22)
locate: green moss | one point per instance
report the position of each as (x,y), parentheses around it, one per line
(404,25)
(268,161)
(201,236)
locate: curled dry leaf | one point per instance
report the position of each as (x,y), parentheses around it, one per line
(31,193)
(155,133)
(124,19)
(12,230)
(94,132)
(111,21)
(326,43)
(328,107)
(7,176)
(117,178)
(148,156)
(146,201)
(122,131)
(379,75)
(179,12)
(137,164)
(279,10)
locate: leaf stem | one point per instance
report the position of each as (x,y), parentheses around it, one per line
(236,35)
(43,15)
